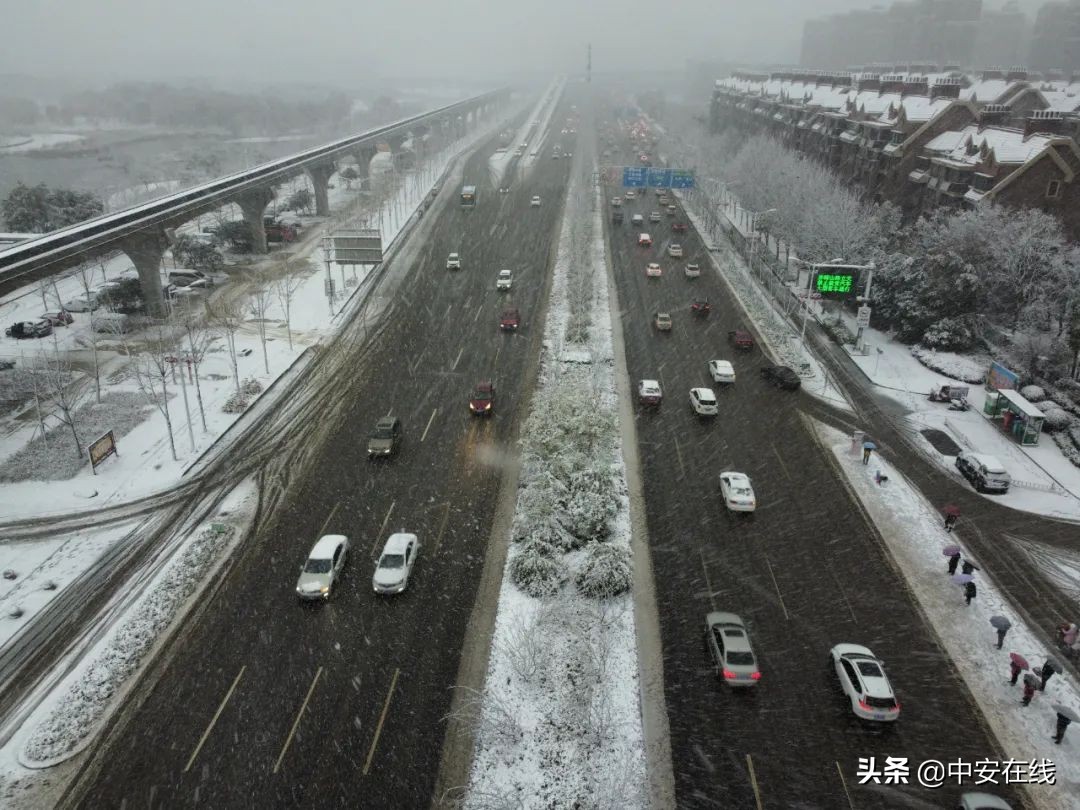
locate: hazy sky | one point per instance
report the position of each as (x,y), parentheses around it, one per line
(334,40)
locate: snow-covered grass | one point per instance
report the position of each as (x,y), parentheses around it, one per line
(558,723)
(963,367)
(49,140)
(913,532)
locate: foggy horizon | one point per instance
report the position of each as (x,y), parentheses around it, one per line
(327,41)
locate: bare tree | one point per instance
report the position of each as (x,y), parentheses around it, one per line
(227,318)
(488,716)
(85,275)
(285,287)
(198,339)
(259,307)
(151,366)
(58,385)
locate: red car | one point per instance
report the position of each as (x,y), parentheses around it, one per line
(510,319)
(740,339)
(60,317)
(280,232)
(678,227)
(482,401)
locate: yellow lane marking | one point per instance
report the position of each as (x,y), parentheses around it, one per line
(382,719)
(213,722)
(296,722)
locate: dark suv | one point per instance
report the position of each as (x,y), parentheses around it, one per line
(385,438)
(781,377)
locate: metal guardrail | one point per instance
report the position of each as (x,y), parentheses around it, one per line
(70,244)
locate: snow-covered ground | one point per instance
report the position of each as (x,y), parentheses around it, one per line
(913,532)
(500,161)
(560,722)
(45,140)
(1044,481)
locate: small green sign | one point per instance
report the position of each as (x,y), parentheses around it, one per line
(836,283)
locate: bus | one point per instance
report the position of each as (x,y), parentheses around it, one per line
(468,196)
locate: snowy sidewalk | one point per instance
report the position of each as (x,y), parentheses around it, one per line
(912,530)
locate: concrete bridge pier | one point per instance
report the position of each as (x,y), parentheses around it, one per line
(145,250)
(253,205)
(320,177)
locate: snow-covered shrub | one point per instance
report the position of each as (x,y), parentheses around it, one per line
(237,403)
(1068,448)
(1033,393)
(537,569)
(1056,419)
(251,387)
(949,334)
(959,367)
(587,514)
(1064,401)
(605,571)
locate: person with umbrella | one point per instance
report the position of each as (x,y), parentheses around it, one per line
(953,553)
(969,592)
(952,514)
(1048,669)
(968,567)
(868,447)
(1031,683)
(1017,664)
(1065,715)
(1002,625)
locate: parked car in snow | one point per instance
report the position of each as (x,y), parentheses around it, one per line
(984,471)
(21,330)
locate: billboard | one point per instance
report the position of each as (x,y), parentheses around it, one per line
(1000,378)
(101,449)
(360,246)
(835,282)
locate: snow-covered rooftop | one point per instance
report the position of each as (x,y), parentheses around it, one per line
(1009,145)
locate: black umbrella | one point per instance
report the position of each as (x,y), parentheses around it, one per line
(1001,623)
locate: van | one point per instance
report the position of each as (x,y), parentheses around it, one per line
(985,472)
(115,323)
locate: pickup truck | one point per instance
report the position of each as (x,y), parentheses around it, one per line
(740,339)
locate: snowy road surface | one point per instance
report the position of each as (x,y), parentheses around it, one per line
(345,699)
(806,571)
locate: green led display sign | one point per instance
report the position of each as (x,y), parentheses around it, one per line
(835,283)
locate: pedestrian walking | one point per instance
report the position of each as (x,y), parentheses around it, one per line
(968,567)
(1068,633)
(952,514)
(1030,684)
(1062,724)
(954,560)
(1001,631)
(1015,669)
(866,451)
(1047,672)
(969,592)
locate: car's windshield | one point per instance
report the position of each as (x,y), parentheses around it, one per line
(869,668)
(392,561)
(482,394)
(740,659)
(317,566)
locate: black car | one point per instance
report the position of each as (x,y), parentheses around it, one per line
(29,329)
(781,377)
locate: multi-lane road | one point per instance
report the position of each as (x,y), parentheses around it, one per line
(264,702)
(806,570)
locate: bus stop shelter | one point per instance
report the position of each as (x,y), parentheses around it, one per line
(1019,417)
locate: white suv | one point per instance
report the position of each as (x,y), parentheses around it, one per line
(703,401)
(862,677)
(324,565)
(453,262)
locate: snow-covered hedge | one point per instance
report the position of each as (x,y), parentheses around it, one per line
(80,709)
(1033,393)
(537,568)
(605,571)
(1069,448)
(967,369)
(1056,419)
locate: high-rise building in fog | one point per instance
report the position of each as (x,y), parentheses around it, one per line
(937,32)
(1055,37)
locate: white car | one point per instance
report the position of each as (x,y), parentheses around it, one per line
(637,219)
(863,679)
(737,492)
(83,303)
(504,281)
(453,262)
(535,202)
(644,240)
(323,568)
(703,401)
(722,371)
(649,392)
(729,645)
(652,270)
(395,563)
(692,270)
(674,251)
(630,194)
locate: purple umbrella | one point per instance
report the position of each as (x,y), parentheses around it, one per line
(950,551)
(962,579)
